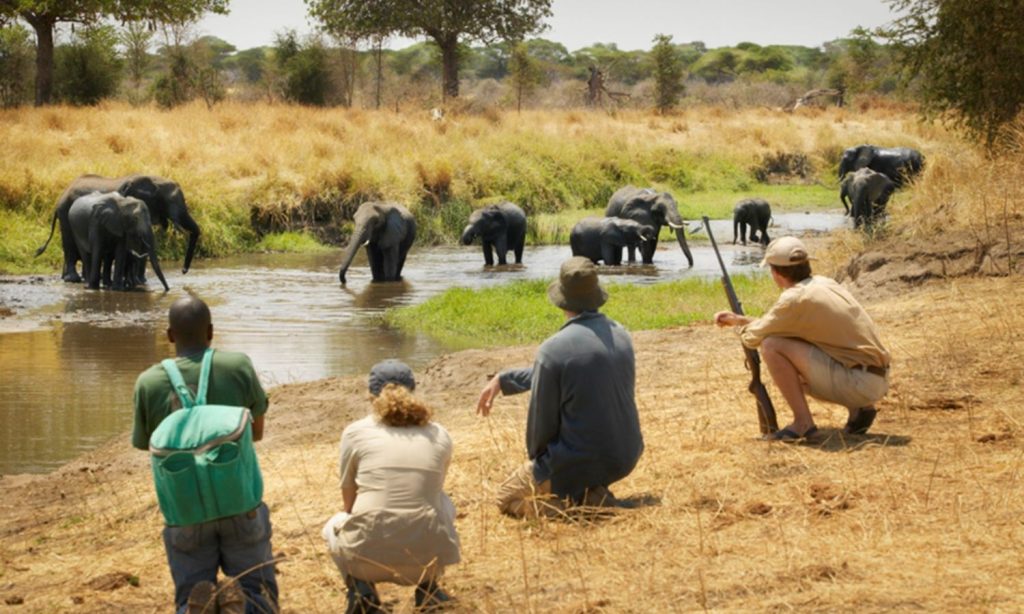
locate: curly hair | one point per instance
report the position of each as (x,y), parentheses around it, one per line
(395,406)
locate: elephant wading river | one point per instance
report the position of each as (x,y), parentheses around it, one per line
(388,231)
(110,231)
(649,208)
(163,198)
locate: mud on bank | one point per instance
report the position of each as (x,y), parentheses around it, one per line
(922,513)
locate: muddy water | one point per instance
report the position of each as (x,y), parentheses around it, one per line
(66,386)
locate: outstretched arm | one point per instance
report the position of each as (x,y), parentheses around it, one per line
(512,381)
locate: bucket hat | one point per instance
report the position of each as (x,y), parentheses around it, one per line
(577,287)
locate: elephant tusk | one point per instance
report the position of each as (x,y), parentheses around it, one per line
(365,244)
(676,226)
(137,254)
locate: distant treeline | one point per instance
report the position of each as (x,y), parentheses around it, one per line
(132,63)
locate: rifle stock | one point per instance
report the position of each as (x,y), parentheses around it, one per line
(765,410)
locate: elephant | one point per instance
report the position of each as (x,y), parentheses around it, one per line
(163,198)
(869,192)
(388,231)
(755,212)
(501,227)
(899,164)
(602,238)
(108,229)
(649,208)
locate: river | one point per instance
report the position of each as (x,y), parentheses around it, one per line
(66,385)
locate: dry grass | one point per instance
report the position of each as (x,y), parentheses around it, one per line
(924,513)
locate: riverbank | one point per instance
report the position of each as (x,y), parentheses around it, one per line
(922,513)
(252,170)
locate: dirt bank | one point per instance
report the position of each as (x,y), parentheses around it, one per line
(923,513)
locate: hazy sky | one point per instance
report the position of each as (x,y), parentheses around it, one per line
(631,24)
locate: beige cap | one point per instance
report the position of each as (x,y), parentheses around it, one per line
(785,251)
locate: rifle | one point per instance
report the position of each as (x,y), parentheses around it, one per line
(765,410)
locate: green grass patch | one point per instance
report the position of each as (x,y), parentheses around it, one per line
(519,312)
(718,204)
(291,242)
(553,228)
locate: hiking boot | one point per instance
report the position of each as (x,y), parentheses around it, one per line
(202,598)
(362,598)
(860,420)
(599,496)
(230,597)
(430,596)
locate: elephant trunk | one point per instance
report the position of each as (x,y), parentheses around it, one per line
(189,225)
(844,167)
(681,237)
(468,234)
(359,237)
(156,267)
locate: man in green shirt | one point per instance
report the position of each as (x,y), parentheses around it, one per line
(238,544)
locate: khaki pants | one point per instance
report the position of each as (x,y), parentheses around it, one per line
(521,496)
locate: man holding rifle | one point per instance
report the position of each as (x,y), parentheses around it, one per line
(816,339)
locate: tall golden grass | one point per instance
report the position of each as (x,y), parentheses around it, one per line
(274,163)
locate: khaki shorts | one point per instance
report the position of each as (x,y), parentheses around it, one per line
(522,497)
(828,380)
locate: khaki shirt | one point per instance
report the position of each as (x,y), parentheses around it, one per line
(822,312)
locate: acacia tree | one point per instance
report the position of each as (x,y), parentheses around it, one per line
(44,15)
(524,73)
(966,57)
(448,23)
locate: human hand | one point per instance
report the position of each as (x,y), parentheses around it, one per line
(726,318)
(491,390)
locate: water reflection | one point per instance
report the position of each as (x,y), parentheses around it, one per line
(68,387)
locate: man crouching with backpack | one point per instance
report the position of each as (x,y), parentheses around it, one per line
(204,466)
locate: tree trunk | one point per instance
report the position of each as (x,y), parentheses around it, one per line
(43,25)
(380,69)
(450,65)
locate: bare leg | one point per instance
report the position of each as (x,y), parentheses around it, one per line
(787,359)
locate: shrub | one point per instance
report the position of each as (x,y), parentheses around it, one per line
(88,69)
(16,57)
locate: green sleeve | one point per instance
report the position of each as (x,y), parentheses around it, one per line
(140,432)
(256,397)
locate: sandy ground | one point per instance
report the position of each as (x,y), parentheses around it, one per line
(922,513)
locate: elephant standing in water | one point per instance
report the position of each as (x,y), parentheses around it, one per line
(602,238)
(649,208)
(899,164)
(869,192)
(501,227)
(163,198)
(388,231)
(755,212)
(109,231)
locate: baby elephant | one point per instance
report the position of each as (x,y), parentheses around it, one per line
(602,238)
(501,227)
(753,211)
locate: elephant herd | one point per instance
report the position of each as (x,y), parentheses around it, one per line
(106,224)
(869,175)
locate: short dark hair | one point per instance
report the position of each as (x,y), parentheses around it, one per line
(189,318)
(794,272)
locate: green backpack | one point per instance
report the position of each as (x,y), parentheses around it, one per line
(204,462)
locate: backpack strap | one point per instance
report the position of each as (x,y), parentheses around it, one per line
(179,385)
(204,377)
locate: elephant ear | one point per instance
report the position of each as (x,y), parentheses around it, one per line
(141,186)
(865,153)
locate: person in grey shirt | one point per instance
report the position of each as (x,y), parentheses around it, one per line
(582,427)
